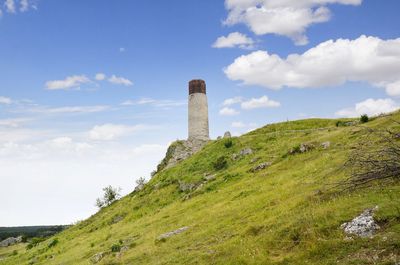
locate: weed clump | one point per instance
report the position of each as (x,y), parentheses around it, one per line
(116,248)
(53,243)
(220,163)
(228,143)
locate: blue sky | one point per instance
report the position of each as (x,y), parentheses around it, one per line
(92,92)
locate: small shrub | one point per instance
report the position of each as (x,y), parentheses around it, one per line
(34,242)
(14,253)
(220,163)
(110,195)
(53,243)
(228,143)
(364,118)
(339,123)
(116,248)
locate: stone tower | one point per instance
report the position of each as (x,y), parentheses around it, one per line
(198,111)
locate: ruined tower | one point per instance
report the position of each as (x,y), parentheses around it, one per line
(198,111)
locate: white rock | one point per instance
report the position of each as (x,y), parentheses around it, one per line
(363,225)
(172,233)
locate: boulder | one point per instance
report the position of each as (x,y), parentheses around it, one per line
(261,166)
(246,151)
(186,186)
(10,241)
(306,147)
(227,134)
(363,225)
(97,257)
(302,148)
(209,177)
(326,145)
(243,152)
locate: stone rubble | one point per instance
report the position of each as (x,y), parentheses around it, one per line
(246,151)
(186,186)
(97,257)
(172,233)
(261,166)
(243,152)
(209,177)
(363,225)
(326,145)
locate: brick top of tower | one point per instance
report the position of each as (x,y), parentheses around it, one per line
(197,86)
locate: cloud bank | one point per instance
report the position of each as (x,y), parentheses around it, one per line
(371,107)
(331,63)
(289,18)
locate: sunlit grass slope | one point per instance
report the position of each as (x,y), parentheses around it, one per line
(289,213)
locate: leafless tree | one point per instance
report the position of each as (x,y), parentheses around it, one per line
(376,157)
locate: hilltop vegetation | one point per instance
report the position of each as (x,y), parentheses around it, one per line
(287,212)
(30,231)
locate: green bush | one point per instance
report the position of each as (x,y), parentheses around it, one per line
(339,123)
(220,163)
(228,143)
(53,243)
(34,242)
(364,118)
(116,248)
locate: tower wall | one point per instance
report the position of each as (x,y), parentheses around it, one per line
(198,111)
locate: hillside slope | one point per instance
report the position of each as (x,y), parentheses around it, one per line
(288,213)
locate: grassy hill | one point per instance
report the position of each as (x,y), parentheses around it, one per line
(288,213)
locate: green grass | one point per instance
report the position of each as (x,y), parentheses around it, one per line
(289,213)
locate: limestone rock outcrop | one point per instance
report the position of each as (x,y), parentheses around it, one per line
(10,241)
(363,225)
(179,151)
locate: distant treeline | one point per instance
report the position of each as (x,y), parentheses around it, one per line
(30,231)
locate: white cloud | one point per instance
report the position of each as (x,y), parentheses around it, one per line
(393,89)
(120,80)
(238,124)
(108,132)
(262,102)
(331,63)
(10,6)
(242,127)
(289,18)
(162,103)
(14,123)
(24,5)
(68,109)
(5,100)
(232,101)
(370,107)
(234,39)
(100,76)
(69,82)
(228,112)
(55,166)
(144,101)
